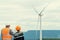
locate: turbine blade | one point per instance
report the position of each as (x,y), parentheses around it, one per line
(35,10)
(43,9)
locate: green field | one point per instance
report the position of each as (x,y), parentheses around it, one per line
(51,38)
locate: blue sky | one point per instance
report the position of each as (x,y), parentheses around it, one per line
(20,12)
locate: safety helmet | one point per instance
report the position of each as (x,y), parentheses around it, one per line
(18,27)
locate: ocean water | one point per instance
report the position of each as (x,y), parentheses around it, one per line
(46,34)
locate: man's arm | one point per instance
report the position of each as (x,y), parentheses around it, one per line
(11,32)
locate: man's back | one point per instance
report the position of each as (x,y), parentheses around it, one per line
(18,36)
(5,34)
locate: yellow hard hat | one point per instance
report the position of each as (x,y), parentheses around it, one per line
(18,27)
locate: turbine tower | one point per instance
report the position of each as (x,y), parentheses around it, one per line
(40,15)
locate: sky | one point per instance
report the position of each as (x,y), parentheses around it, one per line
(21,12)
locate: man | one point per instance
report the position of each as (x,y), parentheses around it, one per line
(5,33)
(18,35)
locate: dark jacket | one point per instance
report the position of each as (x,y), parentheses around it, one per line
(19,36)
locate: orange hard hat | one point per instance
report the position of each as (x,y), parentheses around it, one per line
(18,27)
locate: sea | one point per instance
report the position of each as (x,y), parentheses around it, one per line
(46,35)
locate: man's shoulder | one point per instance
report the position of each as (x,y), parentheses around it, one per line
(19,32)
(2,29)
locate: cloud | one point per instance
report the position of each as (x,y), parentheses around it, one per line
(53,5)
(50,26)
(21,12)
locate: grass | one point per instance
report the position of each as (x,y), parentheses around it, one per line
(51,38)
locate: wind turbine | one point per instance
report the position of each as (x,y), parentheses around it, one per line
(40,15)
